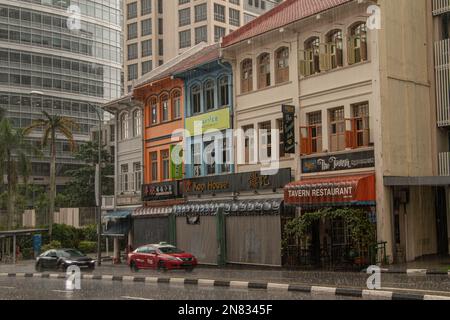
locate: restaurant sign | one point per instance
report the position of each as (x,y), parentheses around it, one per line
(288,128)
(246,181)
(160,191)
(338,162)
(219,119)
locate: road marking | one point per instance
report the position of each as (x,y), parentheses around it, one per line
(4,287)
(62,291)
(375,293)
(135,298)
(239,284)
(429,297)
(277,286)
(416,290)
(205,282)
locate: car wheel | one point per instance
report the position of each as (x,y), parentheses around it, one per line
(62,267)
(134,267)
(39,267)
(162,266)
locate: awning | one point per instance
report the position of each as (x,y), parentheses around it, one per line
(151,211)
(244,207)
(115,215)
(333,191)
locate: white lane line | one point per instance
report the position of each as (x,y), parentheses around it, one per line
(5,287)
(134,298)
(63,291)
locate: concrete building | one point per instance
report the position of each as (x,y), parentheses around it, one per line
(365,109)
(46,63)
(156,31)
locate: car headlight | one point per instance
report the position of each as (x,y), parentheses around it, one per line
(174,259)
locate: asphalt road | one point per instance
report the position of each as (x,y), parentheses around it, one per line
(54,289)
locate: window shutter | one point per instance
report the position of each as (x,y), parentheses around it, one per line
(363,49)
(305,141)
(303,65)
(325,57)
(366,132)
(350,133)
(351,50)
(339,57)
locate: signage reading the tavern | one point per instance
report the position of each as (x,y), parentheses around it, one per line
(338,162)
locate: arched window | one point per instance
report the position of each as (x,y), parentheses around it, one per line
(263,70)
(282,65)
(246,75)
(357,44)
(334,48)
(124,126)
(195,99)
(165,108)
(176,105)
(208,91)
(310,64)
(137,124)
(224,93)
(154,111)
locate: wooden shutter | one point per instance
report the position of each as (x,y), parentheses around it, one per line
(305,141)
(363,49)
(350,133)
(325,56)
(304,65)
(351,50)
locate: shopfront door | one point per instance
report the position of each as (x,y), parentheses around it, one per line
(441,221)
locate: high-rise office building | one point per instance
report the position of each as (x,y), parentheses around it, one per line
(156,31)
(63,57)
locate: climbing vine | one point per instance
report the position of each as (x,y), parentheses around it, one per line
(361,231)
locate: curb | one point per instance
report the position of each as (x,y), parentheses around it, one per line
(414,272)
(268,286)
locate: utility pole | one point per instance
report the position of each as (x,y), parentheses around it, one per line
(98,186)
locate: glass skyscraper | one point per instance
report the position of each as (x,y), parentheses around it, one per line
(54,59)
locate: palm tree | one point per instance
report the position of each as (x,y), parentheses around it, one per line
(52,125)
(14,162)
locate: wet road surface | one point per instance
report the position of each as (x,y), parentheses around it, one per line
(54,289)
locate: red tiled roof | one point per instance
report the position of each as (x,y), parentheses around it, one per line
(285,13)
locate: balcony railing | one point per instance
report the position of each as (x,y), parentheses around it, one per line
(444,164)
(440,6)
(442,71)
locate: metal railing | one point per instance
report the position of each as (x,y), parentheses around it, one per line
(442,73)
(440,6)
(444,164)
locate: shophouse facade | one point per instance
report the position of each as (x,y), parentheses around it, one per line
(364,110)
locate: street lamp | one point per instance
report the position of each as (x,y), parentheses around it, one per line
(99,184)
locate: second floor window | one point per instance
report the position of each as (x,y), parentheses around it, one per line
(137,124)
(209,95)
(357,44)
(310,57)
(311,135)
(154,166)
(335,49)
(165,164)
(154,111)
(246,75)
(224,94)
(263,71)
(360,131)
(282,65)
(124,126)
(165,108)
(176,105)
(195,96)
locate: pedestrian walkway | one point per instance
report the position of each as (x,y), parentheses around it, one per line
(429,263)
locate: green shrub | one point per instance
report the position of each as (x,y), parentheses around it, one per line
(27,253)
(89,233)
(87,246)
(55,244)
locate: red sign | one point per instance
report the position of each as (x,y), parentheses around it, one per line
(331,191)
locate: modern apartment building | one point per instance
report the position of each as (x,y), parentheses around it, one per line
(54,61)
(156,31)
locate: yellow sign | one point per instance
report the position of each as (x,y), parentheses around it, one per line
(219,120)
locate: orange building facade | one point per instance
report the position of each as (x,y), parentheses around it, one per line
(163,114)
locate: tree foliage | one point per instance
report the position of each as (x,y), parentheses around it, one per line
(362,231)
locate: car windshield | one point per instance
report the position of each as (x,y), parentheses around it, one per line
(170,250)
(70,253)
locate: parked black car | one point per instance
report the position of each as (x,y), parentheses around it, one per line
(61,259)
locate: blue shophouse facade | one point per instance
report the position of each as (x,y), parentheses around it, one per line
(208,100)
